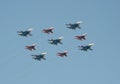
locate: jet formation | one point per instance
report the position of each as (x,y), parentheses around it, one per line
(56,41)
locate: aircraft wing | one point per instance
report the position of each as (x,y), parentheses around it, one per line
(44,53)
(61,37)
(30,29)
(79,22)
(91,44)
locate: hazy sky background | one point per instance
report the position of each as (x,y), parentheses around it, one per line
(101,19)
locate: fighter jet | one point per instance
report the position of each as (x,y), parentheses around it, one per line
(56,41)
(25,33)
(49,30)
(74,25)
(86,47)
(40,56)
(31,47)
(81,37)
(62,54)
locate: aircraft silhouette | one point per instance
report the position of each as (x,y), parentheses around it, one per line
(86,47)
(40,56)
(31,47)
(56,41)
(81,37)
(25,33)
(62,54)
(49,30)
(74,25)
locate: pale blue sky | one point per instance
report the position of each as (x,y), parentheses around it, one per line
(100,21)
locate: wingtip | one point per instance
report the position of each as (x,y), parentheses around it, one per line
(44,53)
(34,44)
(51,28)
(91,44)
(79,22)
(66,51)
(30,29)
(61,37)
(85,34)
